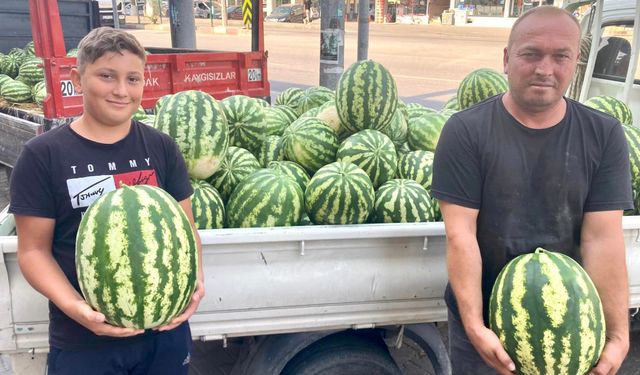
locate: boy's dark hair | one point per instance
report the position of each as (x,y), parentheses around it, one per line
(106,39)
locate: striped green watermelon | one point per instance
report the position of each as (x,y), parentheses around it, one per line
(415,110)
(136,257)
(479,85)
(30,49)
(397,129)
(293,170)
(417,166)
(366,97)
(10,65)
(73,52)
(267,198)
(39,92)
(149,120)
(402,201)
(373,152)
(424,132)
(548,315)
(612,106)
(196,121)
(452,104)
(291,97)
(263,103)
(315,96)
(339,193)
(246,121)
(16,92)
(290,114)
(3,79)
(328,112)
(276,120)
(311,143)
(271,150)
(237,165)
(140,114)
(313,112)
(160,102)
(632,134)
(207,206)
(32,71)
(402,106)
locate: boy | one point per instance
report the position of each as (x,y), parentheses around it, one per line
(51,187)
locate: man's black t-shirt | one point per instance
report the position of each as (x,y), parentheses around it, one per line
(531,186)
(60,173)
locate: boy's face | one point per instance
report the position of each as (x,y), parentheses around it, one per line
(111,87)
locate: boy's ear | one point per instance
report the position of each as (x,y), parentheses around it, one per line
(75,79)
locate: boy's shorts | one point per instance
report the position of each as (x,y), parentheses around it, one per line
(465,359)
(165,353)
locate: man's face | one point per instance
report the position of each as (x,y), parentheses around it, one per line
(112,87)
(541,60)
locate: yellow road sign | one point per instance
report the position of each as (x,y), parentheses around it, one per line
(246,12)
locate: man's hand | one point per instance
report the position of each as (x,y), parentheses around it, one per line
(197,296)
(490,349)
(95,321)
(611,358)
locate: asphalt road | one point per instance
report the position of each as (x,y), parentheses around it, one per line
(427,62)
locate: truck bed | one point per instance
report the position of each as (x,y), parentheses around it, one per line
(279,280)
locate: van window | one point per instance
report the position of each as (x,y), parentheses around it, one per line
(614,53)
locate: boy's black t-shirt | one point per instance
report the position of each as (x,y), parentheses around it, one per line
(531,186)
(60,173)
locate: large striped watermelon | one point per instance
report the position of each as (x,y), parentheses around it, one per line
(136,257)
(397,129)
(276,120)
(479,85)
(311,143)
(267,198)
(612,106)
(366,96)
(402,201)
(415,110)
(31,71)
(339,193)
(291,97)
(16,92)
(207,206)
(548,315)
(246,120)
(196,121)
(10,65)
(417,166)
(237,165)
(293,170)
(373,152)
(424,131)
(271,150)
(315,96)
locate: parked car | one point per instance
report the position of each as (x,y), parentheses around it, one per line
(287,13)
(201,9)
(234,12)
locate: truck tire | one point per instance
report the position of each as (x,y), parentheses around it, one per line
(343,354)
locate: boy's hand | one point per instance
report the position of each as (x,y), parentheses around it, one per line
(197,296)
(95,322)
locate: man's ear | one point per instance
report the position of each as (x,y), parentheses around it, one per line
(505,60)
(75,79)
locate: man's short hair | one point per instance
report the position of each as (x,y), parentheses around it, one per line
(548,10)
(102,40)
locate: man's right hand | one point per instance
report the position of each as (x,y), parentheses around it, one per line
(96,322)
(490,349)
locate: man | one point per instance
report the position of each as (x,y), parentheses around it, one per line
(307,11)
(531,168)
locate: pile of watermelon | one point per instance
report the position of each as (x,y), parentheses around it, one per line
(22,76)
(317,156)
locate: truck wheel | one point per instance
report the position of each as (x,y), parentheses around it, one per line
(343,354)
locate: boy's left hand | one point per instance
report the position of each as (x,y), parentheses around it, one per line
(197,296)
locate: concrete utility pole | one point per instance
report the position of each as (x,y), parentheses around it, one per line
(363,30)
(116,16)
(183,24)
(331,42)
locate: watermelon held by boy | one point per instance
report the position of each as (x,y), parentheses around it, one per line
(136,257)
(547,313)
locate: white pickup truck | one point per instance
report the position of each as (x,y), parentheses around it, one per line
(302,292)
